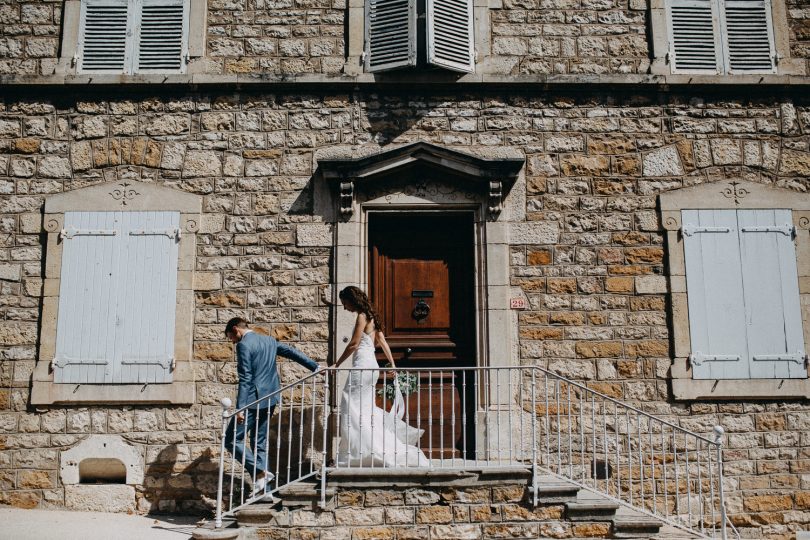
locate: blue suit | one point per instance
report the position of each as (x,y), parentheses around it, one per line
(258,378)
(256,364)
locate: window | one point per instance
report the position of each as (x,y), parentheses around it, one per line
(739,276)
(133,36)
(118,302)
(721,36)
(117,299)
(402,33)
(743,294)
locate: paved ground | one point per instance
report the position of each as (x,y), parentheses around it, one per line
(16,524)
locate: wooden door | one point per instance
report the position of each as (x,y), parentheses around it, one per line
(421,280)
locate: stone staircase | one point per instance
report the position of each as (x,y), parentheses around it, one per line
(438,505)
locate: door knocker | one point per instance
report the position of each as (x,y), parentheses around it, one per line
(421,310)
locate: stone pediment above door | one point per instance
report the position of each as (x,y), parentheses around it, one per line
(422,170)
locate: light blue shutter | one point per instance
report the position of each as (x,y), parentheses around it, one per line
(85,329)
(449,31)
(103,31)
(771,287)
(390,34)
(162,36)
(117,297)
(749,36)
(147,297)
(715,294)
(693,36)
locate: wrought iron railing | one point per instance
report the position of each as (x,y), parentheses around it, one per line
(474,418)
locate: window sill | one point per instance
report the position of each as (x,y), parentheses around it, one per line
(179,392)
(737,389)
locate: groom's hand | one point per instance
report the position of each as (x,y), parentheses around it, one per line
(240,417)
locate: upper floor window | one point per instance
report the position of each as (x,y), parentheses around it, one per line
(721,36)
(133,36)
(401,33)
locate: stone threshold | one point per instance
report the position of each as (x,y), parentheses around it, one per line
(399,79)
(371,477)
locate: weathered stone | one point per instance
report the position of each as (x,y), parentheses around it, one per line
(100,497)
(596,349)
(651,285)
(535,233)
(168,124)
(54,167)
(662,162)
(201,163)
(313,234)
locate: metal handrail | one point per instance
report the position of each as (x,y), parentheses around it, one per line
(524,416)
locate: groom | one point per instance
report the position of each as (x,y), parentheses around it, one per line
(258,378)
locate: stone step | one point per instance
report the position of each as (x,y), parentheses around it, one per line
(635,526)
(257,514)
(555,491)
(304,495)
(591,510)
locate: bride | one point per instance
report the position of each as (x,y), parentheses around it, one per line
(369,435)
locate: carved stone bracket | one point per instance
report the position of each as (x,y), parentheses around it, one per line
(495,197)
(346,198)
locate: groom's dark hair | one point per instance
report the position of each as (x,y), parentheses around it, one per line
(236,322)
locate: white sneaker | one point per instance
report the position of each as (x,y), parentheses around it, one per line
(260,485)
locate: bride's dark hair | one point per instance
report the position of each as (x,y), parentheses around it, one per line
(356,298)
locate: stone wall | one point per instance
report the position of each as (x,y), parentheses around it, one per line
(601,36)
(596,289)
(293,37)
(29,37)
(275,36)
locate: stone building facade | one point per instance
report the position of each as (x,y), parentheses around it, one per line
(579,90)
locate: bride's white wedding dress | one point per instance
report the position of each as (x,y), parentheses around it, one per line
(369,435)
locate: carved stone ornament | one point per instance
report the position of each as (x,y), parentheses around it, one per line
(735,191)
(124,193)
(346,198)
(489,179)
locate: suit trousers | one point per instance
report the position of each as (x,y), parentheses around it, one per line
(254,457)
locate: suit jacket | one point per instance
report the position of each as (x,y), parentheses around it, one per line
(256,365)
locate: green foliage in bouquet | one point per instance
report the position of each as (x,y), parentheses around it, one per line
(408,384)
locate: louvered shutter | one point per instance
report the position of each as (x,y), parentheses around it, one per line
(103,43)
(693,30)
(749,36)
(162,36)
(117,298)
(390,34)
(715,294)
(771,287)
(450,34)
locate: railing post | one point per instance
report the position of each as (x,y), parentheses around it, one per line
(324,426)
(226,405)
(718,432)
(535,487)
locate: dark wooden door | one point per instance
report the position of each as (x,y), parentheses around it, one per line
(421,280)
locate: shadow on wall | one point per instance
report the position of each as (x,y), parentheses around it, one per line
(172,485)
(295,449)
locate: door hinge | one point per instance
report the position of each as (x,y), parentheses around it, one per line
(165,362)
(786,229)
(690,229)
(70,233)
(171,233)
(698,358)
(62,361)
(798,358)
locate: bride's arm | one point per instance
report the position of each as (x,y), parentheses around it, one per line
(386,349)
(357,334)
